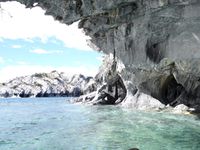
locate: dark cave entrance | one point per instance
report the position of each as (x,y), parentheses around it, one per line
(170,90)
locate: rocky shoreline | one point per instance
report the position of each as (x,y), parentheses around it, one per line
(136,98)
(141,102)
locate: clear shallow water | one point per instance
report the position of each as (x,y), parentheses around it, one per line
(54,124)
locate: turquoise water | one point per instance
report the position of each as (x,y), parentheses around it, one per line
(54,124)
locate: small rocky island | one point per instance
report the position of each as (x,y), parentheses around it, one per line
(47,85)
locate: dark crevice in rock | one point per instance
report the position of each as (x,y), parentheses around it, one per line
(171,90)
(129,45)
(128,29)
(127,8)
(155,51)
(79,4)
(59,18)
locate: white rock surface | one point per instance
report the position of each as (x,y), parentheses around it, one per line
(141,101)
(179,109)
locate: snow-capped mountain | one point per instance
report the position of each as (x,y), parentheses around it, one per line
(47,85)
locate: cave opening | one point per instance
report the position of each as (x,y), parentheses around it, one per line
(170,91)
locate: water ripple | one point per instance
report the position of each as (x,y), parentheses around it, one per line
(54,124)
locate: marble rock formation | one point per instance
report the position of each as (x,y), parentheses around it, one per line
(157,40)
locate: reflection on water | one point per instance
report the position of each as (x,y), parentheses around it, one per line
(52,123)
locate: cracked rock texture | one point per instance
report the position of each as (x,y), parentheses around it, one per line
(157,40)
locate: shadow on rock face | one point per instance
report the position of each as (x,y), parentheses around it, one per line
(155,52)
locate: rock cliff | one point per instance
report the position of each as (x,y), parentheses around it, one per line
(157,40)
(47,85)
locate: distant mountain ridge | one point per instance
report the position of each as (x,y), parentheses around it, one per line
(47,85)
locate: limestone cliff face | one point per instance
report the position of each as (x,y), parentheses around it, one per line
(157,40)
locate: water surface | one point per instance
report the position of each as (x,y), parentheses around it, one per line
(54,124)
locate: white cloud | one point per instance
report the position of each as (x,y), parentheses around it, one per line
(16,22)
(16,46)
(29,40)
(22,63)
(39,51)
(1,60)
(43,51)
(6,73)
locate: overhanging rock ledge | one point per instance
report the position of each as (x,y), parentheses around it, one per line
(157,40)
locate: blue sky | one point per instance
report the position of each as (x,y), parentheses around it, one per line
(32,42)
(52,53)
